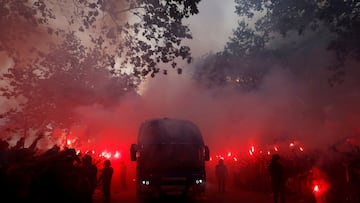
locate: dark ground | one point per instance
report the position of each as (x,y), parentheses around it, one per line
(233,195)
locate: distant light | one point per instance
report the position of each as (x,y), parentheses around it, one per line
(105,154)
(235,159)
(229,154)
(68,142)
(301,149)
(276,149)
(292,144)
(252,148)
(117,154)
(316,188)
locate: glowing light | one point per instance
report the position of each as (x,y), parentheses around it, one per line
(78,152)
(276,149)
(199,181)
(108,155)
(90,152)
(117,154)
(145,182)
(301,149)
(229,154)
(105,154)
(235,159)
(68,142)
(268,152)
(252,148)
(292,144)
(250,152)
(316,188)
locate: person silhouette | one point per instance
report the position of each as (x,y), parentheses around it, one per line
(123,175)
(105,179)
(277,179)
(89,170)
(221,173)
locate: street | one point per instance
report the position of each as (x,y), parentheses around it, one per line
(211,196)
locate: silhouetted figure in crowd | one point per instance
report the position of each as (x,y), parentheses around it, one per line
(68,179)
(32,147)
(89,171)
(277,178)
(123,175)
(221,173)
(354,179)
(4,162)
(105,179)
(19,144)
(4,153)
(54,150)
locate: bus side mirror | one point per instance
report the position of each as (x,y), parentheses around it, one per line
(133,151)
(207,153)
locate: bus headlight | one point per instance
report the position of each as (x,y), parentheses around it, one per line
(199,181)
(145,182)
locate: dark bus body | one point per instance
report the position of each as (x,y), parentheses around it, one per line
(170,155)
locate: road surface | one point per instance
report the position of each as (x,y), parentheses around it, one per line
(233,195)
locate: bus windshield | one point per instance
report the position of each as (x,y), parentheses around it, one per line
(170,157)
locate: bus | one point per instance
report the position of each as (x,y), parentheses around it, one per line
(170,157)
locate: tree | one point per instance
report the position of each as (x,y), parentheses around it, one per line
(71,53)
(223,69)
(279,18)
(254,46)
(142,33)
(50,96)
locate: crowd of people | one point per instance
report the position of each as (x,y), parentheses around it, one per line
(56,175)
(315,177)
(63,175)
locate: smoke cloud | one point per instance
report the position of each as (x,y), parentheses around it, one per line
(293,102)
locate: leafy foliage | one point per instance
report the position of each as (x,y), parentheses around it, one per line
(223,69)
(142,33)
(340,18)
(264,23)
(49,96)
(70,53)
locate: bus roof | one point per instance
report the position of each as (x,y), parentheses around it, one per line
(169,131)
